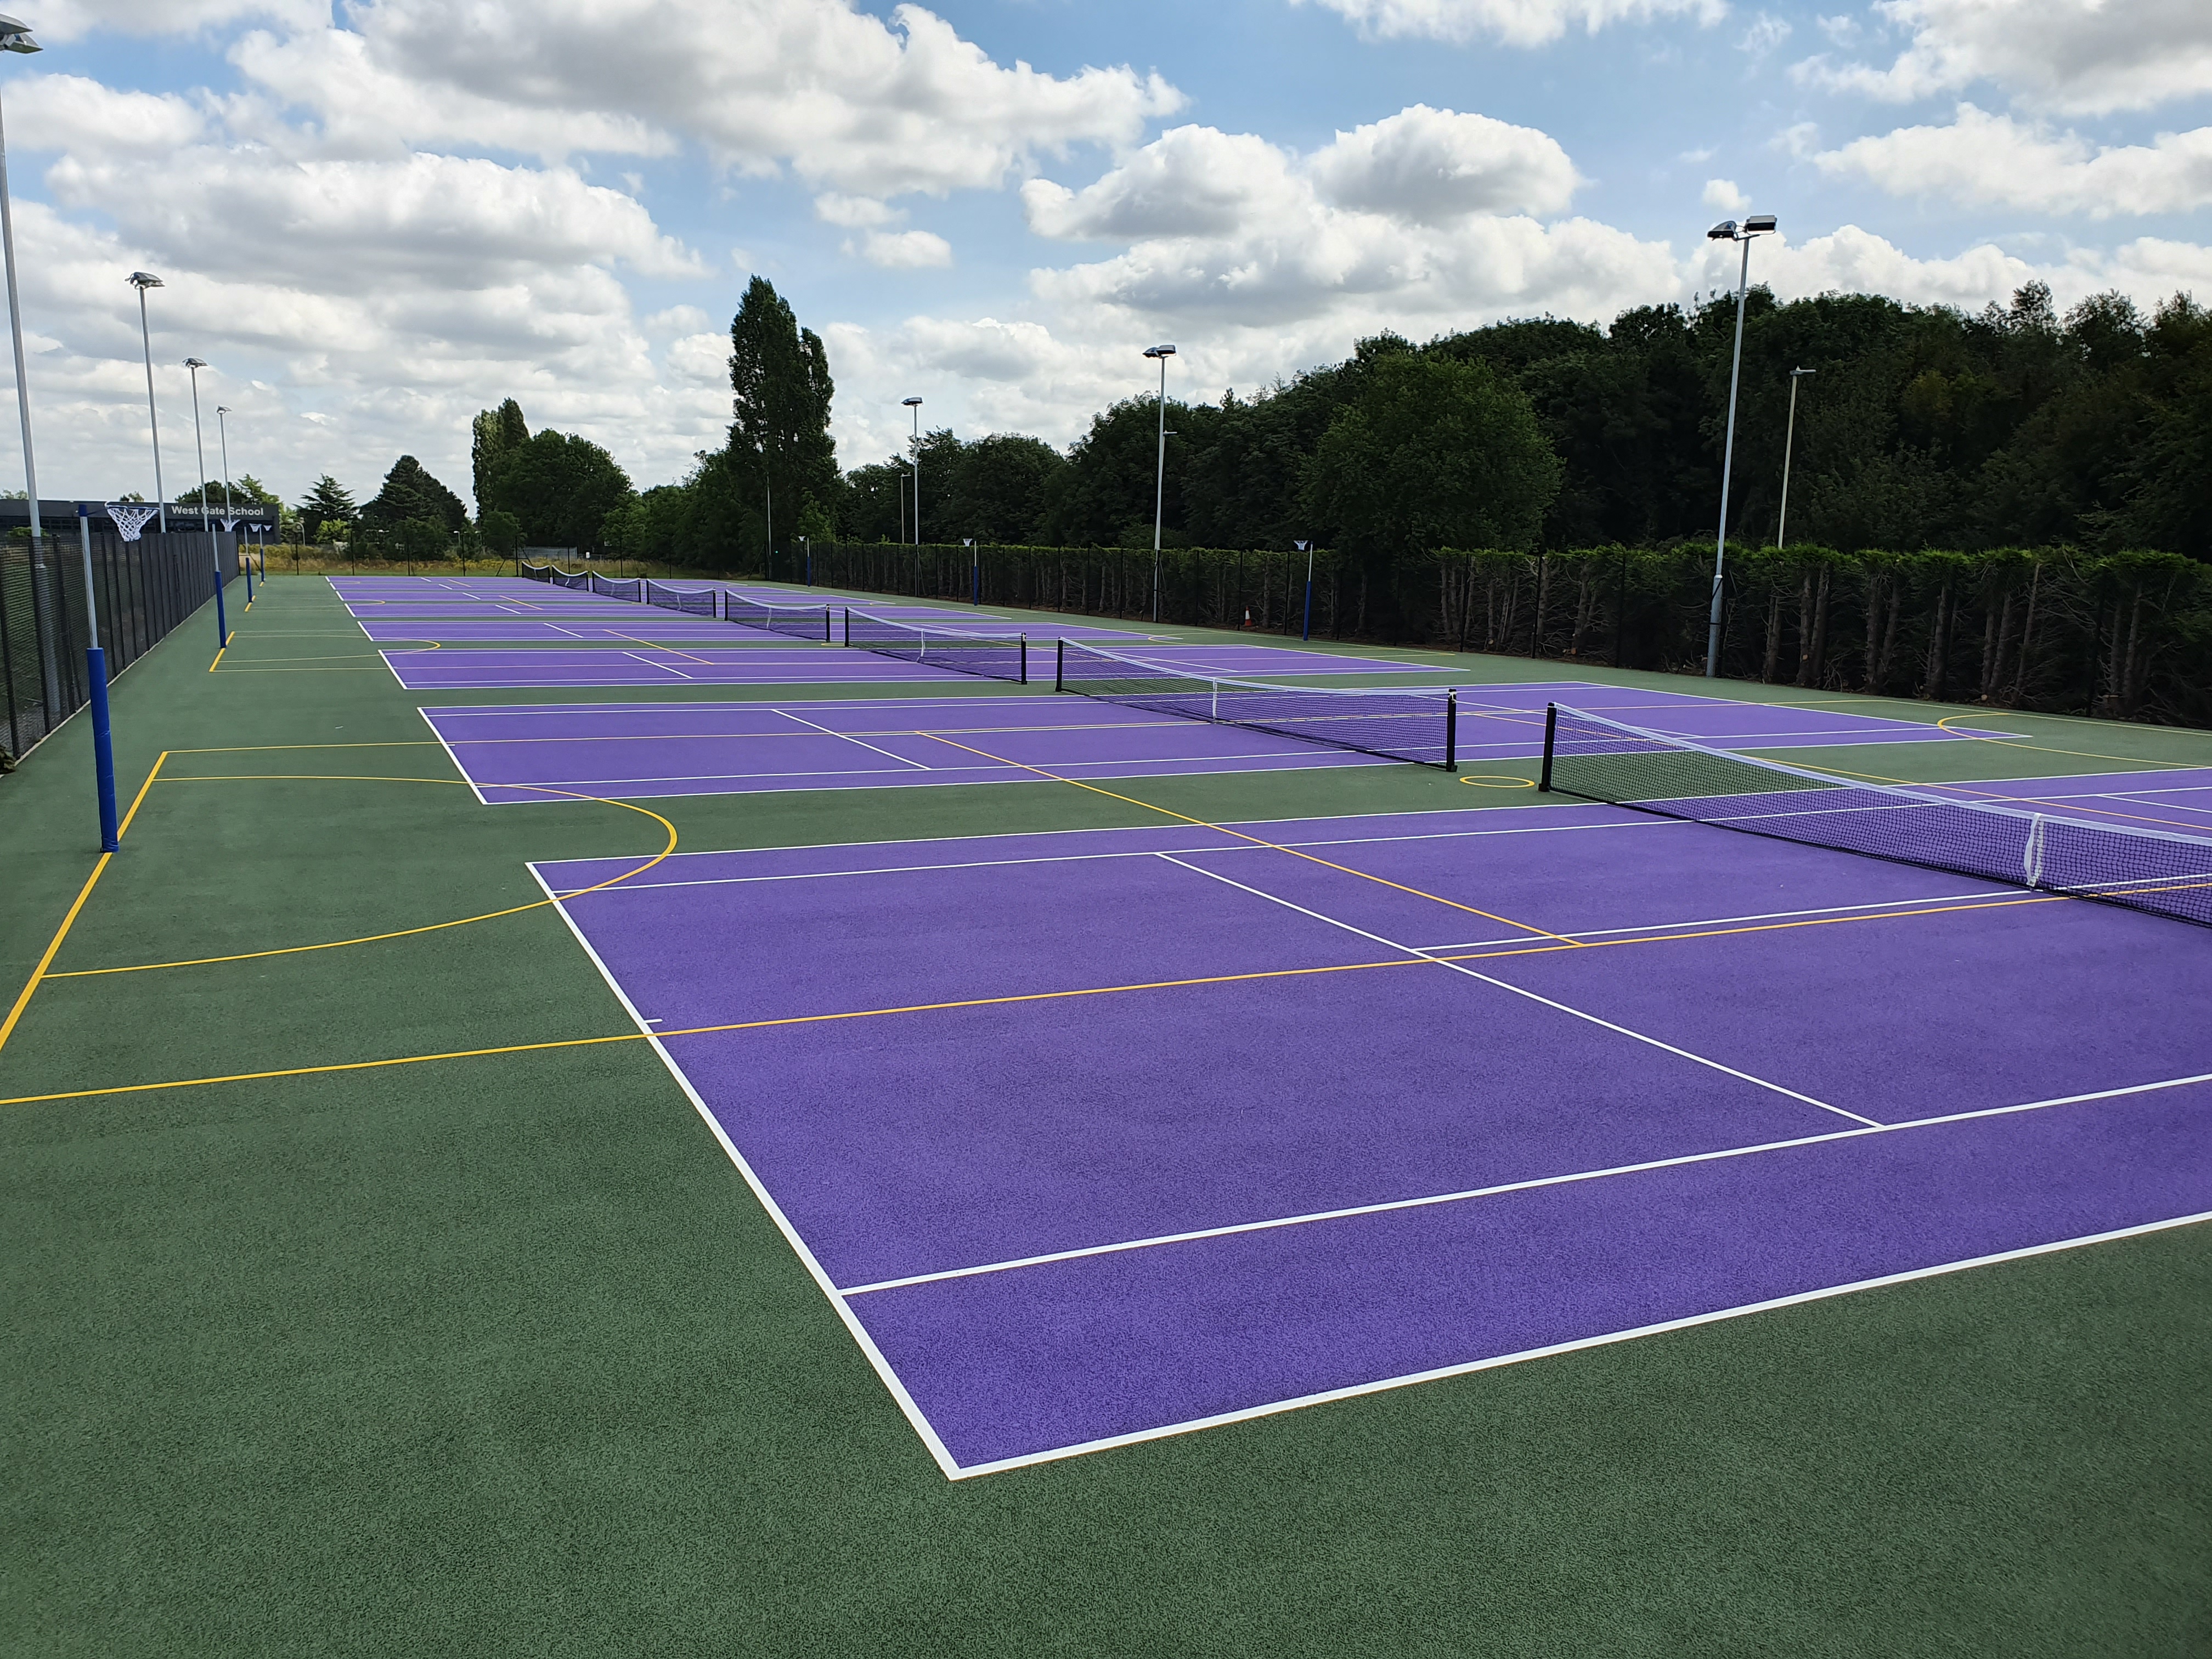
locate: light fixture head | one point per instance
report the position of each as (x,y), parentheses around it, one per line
(143,280)
(1722,232)
(15,36)
(1159,351)
(1759,224)
(1794,373)
(225,409)
(195,362)
(911,403)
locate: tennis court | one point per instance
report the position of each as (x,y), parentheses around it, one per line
(1564,1076)
(402,1258)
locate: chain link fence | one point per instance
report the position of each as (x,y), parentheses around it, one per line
(143,589)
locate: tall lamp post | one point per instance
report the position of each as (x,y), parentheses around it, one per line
(975,571)
(1788,441)
(15,36)
(143,280)
(214,553)
(1758,224)
(1160,470)
(913,455)
(229,513)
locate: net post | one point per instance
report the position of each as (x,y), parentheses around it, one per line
(1025,679)
(1551,738)
(826,623)
(1451,730)
(1059,664)
(848,625)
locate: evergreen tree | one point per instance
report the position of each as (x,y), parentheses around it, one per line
(495,434)
(780,445)
(328,502)
(561,488)
(410,492)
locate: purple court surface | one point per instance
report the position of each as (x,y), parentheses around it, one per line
(1488,713)
(639,750)
(2176,801)
(1096,1136)
(630,623)
(605,665)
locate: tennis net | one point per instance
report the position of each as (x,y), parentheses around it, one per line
(1421,726)
(692,602)
(632,589)
(536,572)
(1602,760)
(570,579)
(798,622)
(994,656)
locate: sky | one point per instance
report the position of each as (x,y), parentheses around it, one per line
(374,220)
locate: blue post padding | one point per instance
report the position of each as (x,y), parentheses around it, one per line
(222,627)
(103,746)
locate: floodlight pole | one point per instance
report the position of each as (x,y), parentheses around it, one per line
(1306,548)
(143,280)
(1160,470)
(1788,441)
(1728,231)
(914,457)
(215,552)
(975,571)
(16,37)
(229,513)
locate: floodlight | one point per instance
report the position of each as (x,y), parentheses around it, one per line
(1722,232)
(15,36)
(143,280)
(195,362)
(1758,224)
(1159,351)
(911,403)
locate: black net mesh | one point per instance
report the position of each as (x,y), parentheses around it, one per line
(691,603)
(1396,725)
(631,588)
(797,621)
(143,589)
(572,579)
(1597,759)
(998,657)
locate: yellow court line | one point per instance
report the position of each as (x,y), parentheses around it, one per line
(259,748)
(402,932)
(1409,961)
(219,650)
(40,974)
(1488,915)
(2045,748)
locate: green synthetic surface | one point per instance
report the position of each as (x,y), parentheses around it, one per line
(498,1355)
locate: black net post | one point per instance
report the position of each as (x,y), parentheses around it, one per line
(1551,738)
(1025,679)
(826,623)
(1451,730)
(1059,664)
(848,626)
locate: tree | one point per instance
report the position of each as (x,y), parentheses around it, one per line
(1001,488)
(495,434)
(328,502)
(561,488)
(1433,453)
(502,531)
(410,492)
(780,444)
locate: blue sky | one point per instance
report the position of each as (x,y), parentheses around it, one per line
(374,221)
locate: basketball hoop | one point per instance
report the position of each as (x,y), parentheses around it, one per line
(130,517)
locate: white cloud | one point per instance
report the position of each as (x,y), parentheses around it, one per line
(843,98)
(65,111)
(1992,159)
(1765,33)
(2075,56)
(1433,166)
(853,212)
(904,250)
(1515,23)
(1722,196)
(700,360)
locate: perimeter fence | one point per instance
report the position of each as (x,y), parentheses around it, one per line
(2123,636)
(143,589)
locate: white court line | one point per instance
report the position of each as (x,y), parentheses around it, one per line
(890,1378)
(844,736)
(475,788)
(967,1472)
(669,668)
(1521,991)
(1503,1188)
